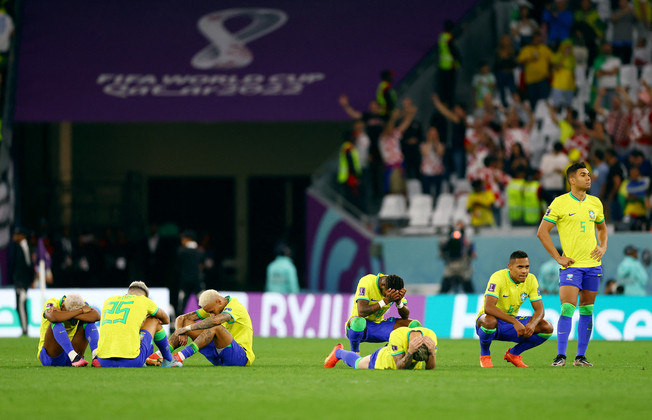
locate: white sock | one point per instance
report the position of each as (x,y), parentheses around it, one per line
(72,354)
(181,356)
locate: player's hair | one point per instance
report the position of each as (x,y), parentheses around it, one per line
(518,254)
(73,301)
(208,296)
(394,282)
(138,288)
(574,168)
(422,354)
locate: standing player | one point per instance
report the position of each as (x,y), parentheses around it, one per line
(577,216)
(408,348)
(62,341)
(374,296)
(498,319)
(129,322)
(221,330)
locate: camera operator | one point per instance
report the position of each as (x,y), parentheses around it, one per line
(457,252)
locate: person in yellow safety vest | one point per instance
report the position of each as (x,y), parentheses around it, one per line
(448,64)
(349,170)
(532,200)
(385,93)
(514,192)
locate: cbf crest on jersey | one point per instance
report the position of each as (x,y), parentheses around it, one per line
(591,214)
(523,296)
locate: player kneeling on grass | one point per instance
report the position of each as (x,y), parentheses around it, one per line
(129,323)
(67,327)
(408,348)
(498,320)
(221,330)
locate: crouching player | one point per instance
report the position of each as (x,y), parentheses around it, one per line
(374,296)
(408,348)
(498,320)
(129,323)
(221,330)
(67,327)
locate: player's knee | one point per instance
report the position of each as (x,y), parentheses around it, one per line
(567,309)
(358,324)
(586,309)
(546,327)
(488,321)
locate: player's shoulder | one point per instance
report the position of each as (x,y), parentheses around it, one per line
(499,276)
(592,199)
(531,279)
(52,303)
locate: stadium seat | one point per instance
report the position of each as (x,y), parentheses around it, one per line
(393,207)
(420,210)
(629,78)
(646,73)
(460,214)
(413,188)
(443,214)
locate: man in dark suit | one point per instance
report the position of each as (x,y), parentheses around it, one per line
(22,273)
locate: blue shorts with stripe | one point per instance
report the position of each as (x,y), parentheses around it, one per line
(587,278)
(231,355)
(378,332)
(506,331)
(146,348)
(374,357)
(60,360)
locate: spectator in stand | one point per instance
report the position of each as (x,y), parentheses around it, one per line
(558,21)
(612,186)
(496,180)
(449,62)
(599,175)
(563,76)
(515,132)
(607,73)
(536,58)
(549,276)
(362,144)
(484,85)
(640,129)
(633,194)
(432,164)
(524,27)
(390,147)
(616,123)
(631,273)
(643,13)
(505,65)
(455,149)
(374,123)
(517,159)
(281,273)
(641,53)
(514,192)
(479,204)
(62,259)
(636,158)
(6,32)
(623,22)
(587,15)
(349,172)
(552,172)
(385,93)
(574,133)
(410,146)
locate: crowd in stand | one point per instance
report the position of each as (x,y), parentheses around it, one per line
(570,82)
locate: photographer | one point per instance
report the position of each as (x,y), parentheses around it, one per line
(457,252)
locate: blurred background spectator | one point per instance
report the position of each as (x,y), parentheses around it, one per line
(631,273)
(281,273)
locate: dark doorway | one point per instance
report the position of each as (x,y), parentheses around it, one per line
(277,211)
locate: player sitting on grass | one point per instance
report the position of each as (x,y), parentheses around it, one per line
(221,330)
(408,348)
(129,322)
(62,342)
(498,320)
(374,296)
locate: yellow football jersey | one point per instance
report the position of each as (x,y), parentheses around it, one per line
(510,294)
(369,290)
(71,324)
(575,222)
(122,317)
(239,326)
(398,344)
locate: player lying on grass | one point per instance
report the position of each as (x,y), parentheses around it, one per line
(67,327)
(129,323)
(374,296)
(408,348)
(498,320)
(221,330)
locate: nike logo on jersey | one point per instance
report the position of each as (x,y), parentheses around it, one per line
(571,214)
(505,295)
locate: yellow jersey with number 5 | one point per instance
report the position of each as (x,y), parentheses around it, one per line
(510,294)
(122,317)
(575,222)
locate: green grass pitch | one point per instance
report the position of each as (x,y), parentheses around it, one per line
(288,380)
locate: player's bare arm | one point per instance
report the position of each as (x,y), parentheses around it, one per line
(365,308)
(55,315)
(89,314)
(211,322)
(601,249)
(404,361)
(182,319)
(537,317)
(432,348)
(490,308)
(162,316)
(403,311)
(543,233)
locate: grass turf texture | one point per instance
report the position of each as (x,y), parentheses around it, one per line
(288,380)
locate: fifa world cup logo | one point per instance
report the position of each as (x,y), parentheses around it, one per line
(228,50)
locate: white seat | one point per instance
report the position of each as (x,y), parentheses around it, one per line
(629,77)
(393,207)
(462,186)
(443,214)
(413,187)
(420,210)
(646,73)
(460,214)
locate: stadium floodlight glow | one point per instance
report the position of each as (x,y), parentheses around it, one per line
(228,50)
